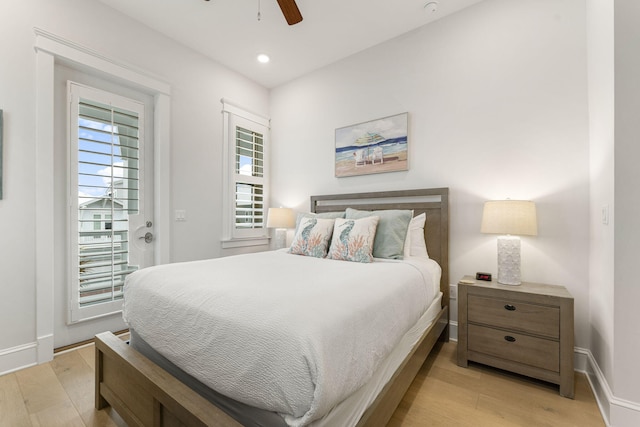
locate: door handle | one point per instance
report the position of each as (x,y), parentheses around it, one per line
(148,237)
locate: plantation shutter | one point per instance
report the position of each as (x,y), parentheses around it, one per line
(107,182)
(249,170)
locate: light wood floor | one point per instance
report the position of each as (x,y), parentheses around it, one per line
(60,393)
(444,394)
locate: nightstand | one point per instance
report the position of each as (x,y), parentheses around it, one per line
(527,329)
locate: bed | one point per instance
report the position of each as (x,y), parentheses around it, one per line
(148,389)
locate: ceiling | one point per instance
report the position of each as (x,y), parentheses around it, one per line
(229,32)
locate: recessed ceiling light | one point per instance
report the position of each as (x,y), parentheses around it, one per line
(263,59)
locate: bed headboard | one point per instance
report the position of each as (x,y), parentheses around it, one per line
(433,201)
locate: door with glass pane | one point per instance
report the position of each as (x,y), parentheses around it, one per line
(110,223)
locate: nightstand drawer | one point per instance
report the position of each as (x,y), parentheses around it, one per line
(530,318)
(532,351)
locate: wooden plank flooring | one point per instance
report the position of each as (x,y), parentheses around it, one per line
(60,393)
(444,394)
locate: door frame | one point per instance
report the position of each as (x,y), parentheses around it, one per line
(50,49)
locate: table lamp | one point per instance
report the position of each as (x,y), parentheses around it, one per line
(280,219)
(510,219)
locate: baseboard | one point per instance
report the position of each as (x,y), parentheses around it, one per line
(19,357)
(624,413)
(453,330)
(26,355)
(580,359)
(45,348)
(616,412)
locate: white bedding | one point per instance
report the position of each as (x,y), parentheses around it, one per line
(348,412)
(285,333)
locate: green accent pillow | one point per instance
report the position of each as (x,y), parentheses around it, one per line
(391,231)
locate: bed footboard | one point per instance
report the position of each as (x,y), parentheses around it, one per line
(146,395)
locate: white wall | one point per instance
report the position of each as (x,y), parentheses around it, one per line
(613,43)
(17,216)
(601,132)
(197,85)
(626,377)
(497,101)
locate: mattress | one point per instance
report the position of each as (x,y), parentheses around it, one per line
(287,334)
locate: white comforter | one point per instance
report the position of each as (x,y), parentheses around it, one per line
(285,333)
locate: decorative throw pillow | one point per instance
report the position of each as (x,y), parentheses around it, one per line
(312,237)
(391,232)
(414,244)
(327,215)
(353,239)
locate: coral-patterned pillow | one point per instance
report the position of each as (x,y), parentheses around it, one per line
(312,237)
(353,239)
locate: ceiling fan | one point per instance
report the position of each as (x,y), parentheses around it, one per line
(290,11)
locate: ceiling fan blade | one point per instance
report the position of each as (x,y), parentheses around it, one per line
(290,11)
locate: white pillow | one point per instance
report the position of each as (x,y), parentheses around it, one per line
(406,251)
(414,244)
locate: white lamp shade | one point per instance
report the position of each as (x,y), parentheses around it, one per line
(280,218)
(510,218)
(515,217)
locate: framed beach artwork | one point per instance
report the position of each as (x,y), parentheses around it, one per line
(376,146)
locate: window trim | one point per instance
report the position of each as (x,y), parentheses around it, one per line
(234,114)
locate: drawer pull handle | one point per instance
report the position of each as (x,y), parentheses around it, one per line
(509,338)
(510,307)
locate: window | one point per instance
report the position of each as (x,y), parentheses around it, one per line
(246,176)
(249,163)
(104,163)
(97,222)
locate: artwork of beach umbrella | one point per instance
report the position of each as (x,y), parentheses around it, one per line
(369,140)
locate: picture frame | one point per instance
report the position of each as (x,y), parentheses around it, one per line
(376,146)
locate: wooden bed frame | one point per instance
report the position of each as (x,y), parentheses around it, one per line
(146,395)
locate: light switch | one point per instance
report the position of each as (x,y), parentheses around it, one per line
(605,214)
(453,291)
(181,215)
